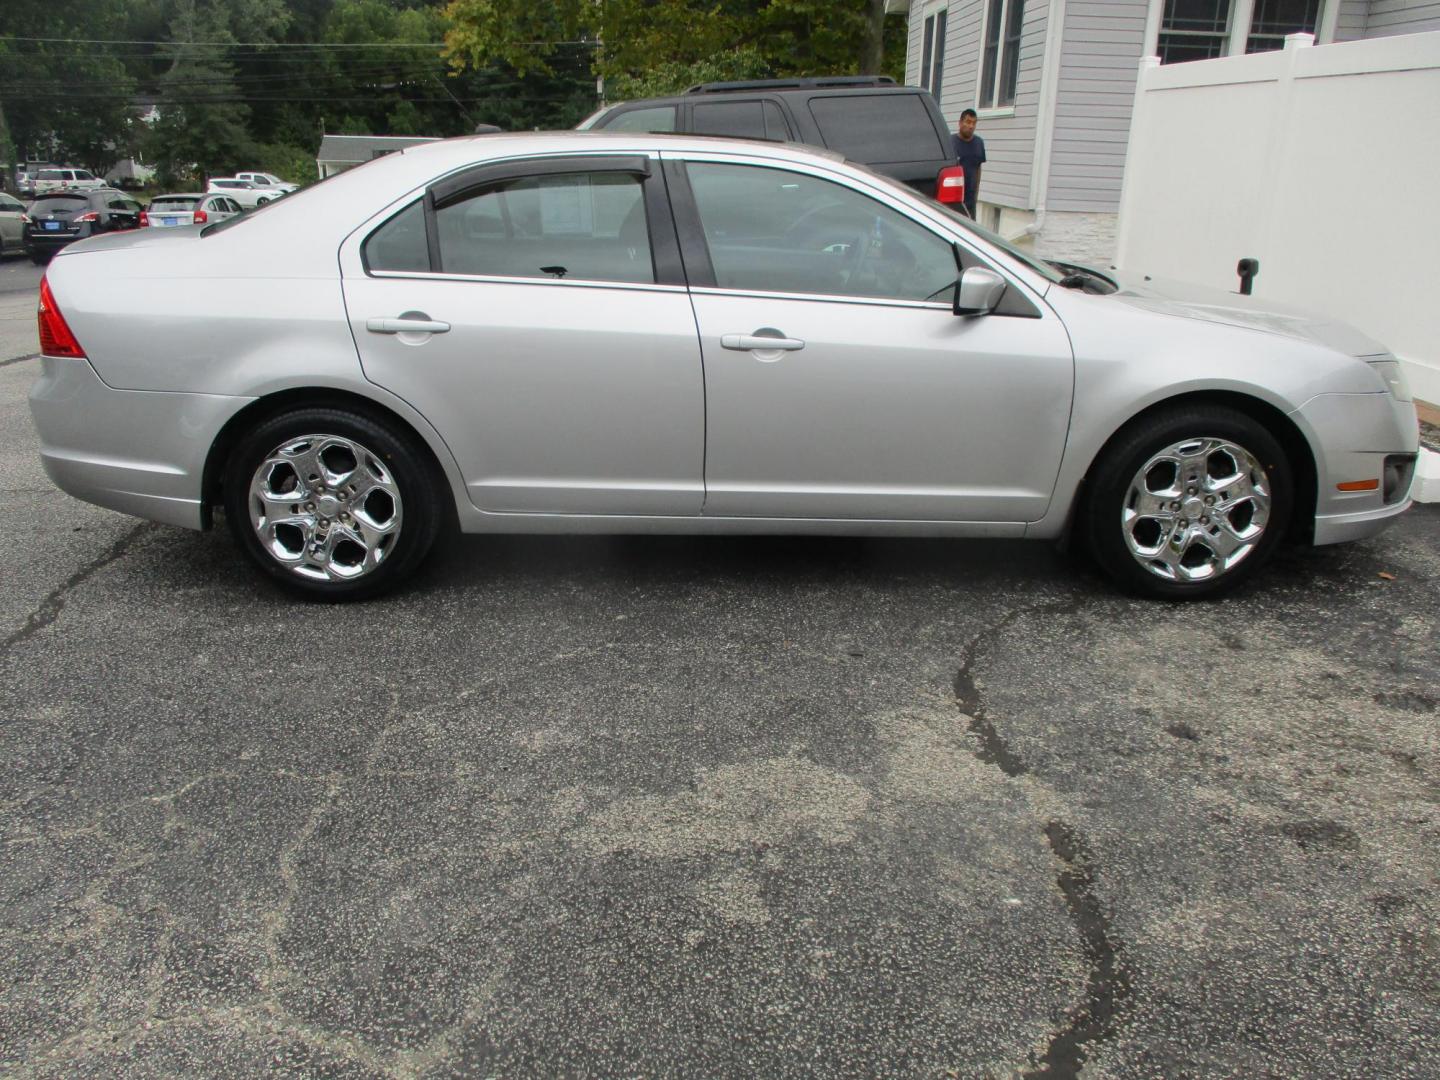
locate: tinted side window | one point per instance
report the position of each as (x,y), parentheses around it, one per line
(657,118)
(588,226)
(400,243)
(743,119)
(776,126)
(873,128)
(770,230)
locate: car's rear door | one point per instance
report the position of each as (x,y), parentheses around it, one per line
(535,312)
(874,401)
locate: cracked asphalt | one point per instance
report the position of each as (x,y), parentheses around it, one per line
(676,807)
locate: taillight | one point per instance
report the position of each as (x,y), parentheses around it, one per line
(25,219)
(144,219)
(201,217)
(950,185)
(55,336)
(92,216)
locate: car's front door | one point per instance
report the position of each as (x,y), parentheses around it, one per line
(874,401)
(535,312)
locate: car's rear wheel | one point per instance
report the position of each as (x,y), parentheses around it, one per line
(1189,502)
(261,201)
(333,503)
(39,259)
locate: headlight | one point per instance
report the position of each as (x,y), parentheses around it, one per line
(1394,377)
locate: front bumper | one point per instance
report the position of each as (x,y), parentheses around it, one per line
(1353,435)
(140,452)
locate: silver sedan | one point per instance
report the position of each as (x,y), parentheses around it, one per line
(631,333)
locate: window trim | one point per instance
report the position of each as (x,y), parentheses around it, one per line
(932,60)
(697,252)
(996,108)
(1241,13)
(450,189)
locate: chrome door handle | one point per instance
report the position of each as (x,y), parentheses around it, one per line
(759,343)
(406,326)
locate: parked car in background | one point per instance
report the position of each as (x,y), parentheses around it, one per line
(896,130)
(568,332)
(243,191)
(67,179)
(12,221)
(190,208)
(266,180)
(59,218)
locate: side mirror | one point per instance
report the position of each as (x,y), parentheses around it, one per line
(978,291)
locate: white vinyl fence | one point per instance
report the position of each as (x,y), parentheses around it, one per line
(1321,162)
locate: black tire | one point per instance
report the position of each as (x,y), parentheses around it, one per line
(422,496)
(39,259)
(1101,521)
(261,201)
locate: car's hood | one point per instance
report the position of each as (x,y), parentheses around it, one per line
(1189,301)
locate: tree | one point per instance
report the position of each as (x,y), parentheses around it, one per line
(663,45)
(69,98)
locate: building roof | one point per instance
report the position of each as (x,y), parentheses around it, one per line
(358,148)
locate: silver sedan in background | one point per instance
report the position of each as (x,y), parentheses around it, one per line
(189,208)
(635,333)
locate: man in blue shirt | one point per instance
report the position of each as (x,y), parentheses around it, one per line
(969,151)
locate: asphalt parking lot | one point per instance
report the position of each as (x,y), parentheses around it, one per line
(678,807)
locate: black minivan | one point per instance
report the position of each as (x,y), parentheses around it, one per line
(58,218)
(896,130)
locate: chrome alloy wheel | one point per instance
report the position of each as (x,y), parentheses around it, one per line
(325,507)
(1196,509)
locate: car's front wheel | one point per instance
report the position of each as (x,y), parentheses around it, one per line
(1189,502)
(333,503)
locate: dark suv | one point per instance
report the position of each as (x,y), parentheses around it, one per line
(896,130)
(58,218)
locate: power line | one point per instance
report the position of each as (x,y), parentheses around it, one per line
(274,44)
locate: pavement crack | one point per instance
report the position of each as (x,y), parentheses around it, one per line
(19,359)
(1107,984)
(49,608)
(994,750)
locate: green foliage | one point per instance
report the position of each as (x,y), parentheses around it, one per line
(655,43)
(74,97)
(293,163)
(667,78)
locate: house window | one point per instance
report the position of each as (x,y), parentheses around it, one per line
(1000,66)
(1194,30)
(932,58)
(1275,18)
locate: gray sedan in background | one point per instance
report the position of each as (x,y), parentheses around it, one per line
(12,212)
(635,333)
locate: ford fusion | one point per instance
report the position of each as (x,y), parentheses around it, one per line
(586,332)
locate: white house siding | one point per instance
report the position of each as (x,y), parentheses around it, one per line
(1389,17)
(1350,22)
(1099,59)
(1009,140)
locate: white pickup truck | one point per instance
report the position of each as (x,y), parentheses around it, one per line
(266,180)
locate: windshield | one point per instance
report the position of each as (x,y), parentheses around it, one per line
(1044,269)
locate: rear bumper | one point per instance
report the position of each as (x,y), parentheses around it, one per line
(137,451)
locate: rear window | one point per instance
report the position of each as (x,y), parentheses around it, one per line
(59,202)
(158,206)
(878,128)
